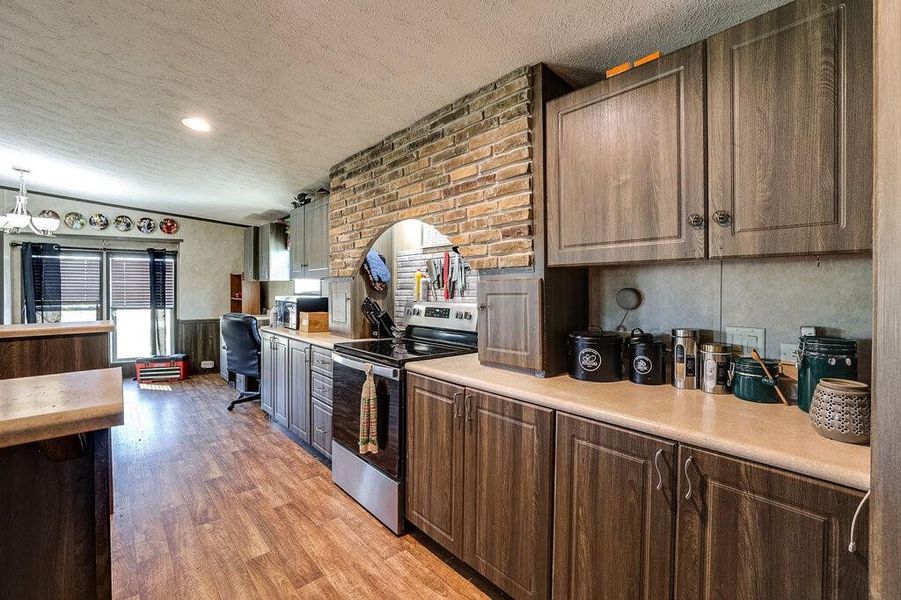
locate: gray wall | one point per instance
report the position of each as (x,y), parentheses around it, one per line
(780,294)
(206,256)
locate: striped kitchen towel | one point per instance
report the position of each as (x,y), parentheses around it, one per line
(369,438)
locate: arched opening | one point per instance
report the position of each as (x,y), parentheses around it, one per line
(389,267)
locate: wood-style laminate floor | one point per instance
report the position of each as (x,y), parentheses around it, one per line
(212,504)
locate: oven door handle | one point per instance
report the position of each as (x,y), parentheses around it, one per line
(358,365)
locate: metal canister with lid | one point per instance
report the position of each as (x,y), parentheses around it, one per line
(819,357)
(716,360)
(685,358)
(595,355)
(646,359)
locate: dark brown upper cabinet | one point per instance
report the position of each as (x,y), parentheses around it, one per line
(790,131)
(625,161)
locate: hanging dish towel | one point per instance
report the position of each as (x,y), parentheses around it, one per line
(369,437)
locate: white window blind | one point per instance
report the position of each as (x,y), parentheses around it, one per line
(129,281)
(79,278)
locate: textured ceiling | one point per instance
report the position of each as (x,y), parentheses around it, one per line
(92,92)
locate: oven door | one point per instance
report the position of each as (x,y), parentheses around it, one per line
(348,377)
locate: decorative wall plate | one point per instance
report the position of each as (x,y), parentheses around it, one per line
(168,225)
(124,223)
(49,214)
(75,220)
(98,221)
(146,225)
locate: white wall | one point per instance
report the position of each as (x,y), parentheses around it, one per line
(206,256)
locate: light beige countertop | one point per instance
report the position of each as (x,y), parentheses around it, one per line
(324,340)
(51,329)
(33,409)
(772,434)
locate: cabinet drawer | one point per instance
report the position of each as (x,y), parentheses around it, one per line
(322,427)
(321,388)
(322,361)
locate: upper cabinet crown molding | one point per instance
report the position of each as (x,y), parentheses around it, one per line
(626,165)
(790,131)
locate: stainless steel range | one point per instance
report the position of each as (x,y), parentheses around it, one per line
(376,480)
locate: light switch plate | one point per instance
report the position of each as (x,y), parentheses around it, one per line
(745,339)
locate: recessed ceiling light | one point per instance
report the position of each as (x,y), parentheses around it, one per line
(197,124)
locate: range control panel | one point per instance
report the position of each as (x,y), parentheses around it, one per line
(459,316)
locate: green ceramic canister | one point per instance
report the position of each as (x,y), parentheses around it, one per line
(820,357)
(750,383)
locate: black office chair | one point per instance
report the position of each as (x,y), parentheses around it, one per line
(242,348)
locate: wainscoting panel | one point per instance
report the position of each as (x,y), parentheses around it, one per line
(199,338)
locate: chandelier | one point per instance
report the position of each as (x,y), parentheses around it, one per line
(44,224)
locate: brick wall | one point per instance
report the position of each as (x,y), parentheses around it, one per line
(466,169)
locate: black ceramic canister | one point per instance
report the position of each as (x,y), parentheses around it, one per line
(647,359)
(595,355)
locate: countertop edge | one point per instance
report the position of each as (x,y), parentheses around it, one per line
(30,330)
(322,339)
(762,455)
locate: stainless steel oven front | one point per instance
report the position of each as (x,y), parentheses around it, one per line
(373,480)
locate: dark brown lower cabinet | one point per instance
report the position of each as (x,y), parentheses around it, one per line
(507,492)
(749,532)
(435,460)
(614,512)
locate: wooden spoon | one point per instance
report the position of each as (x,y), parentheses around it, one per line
(756,356)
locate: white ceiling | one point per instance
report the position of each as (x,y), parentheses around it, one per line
(92,92)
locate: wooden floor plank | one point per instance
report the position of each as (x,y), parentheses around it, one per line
(225,505)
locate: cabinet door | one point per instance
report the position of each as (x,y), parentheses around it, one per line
(322,428)
(510,322)
(280,381)
(614,512)
(316,239)
(507,493)
(435,460)
(340,305)
(299,389)
(757,533)
(626,165)
(790,131)
(267,370)
(297,258)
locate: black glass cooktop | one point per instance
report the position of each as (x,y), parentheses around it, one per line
(397,352)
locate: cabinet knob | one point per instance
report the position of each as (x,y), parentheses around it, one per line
(483,306)
(722,218)
(696,221)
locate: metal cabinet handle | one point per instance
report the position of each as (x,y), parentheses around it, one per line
(722,218)
(657,467)
(688,461)
(306,354)
(852,546)
(320,389)
(457,411)
(320,430)
(469,410)
(696,221)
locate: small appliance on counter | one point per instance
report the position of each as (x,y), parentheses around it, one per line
(287,308)
(685,358)
(819,357)
(716,359)
(595,355)
(646,359)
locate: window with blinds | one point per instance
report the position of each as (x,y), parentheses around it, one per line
(79,280)
(129,281)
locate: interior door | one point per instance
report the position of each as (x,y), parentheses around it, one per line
(267,372)
(757,533)
(316,239)
(434,484)
(280,381)
(510,321)
(614,512)
(790,131)
(299,389)
(507,492)
(626,172)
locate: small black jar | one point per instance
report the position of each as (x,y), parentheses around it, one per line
(595,355)
(647,359)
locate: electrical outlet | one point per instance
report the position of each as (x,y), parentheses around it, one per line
(745,339)
(788,353)
(207,364)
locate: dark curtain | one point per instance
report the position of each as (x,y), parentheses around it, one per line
(157,300)
(41,283)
